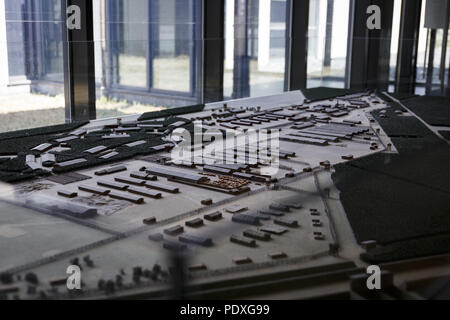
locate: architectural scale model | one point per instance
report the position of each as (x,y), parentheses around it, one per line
(342,180)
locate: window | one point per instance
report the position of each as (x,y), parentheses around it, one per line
(432,73)
(31,77)
(15,36)
(395,39)
(149,52)
(172,45)
(255,47)
(327,43)
(129,38)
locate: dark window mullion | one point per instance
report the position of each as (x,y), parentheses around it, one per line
(79,64)
(296,60)
(408,46)
(213,49)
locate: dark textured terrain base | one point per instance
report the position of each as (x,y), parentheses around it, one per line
(323,93)
(95,139)
(427,246)
(401,201)
(124,153)
(402,96)
(12,143)
(172,112)
(20,144)
(15,170)
(433,110)
(445,134)
(60,128)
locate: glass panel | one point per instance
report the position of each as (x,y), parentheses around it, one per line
(327,43)
(31,77)
(132,48)
(436,82)
(229,49)
(255,47)
(430,64)
(146,54)
(447,65)
(422,52)
(173,38)
(52,40)
(395,39)
(15,37)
